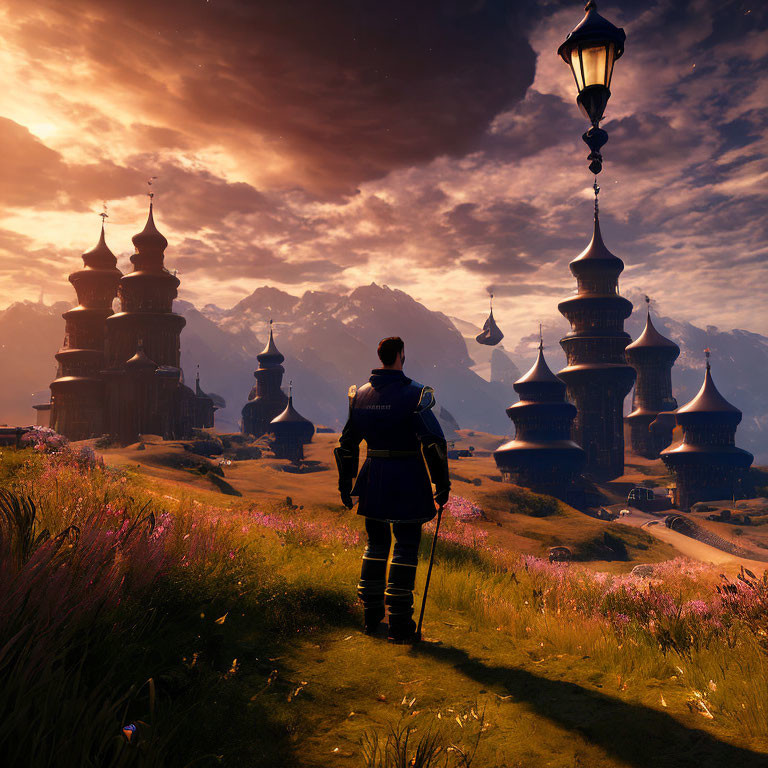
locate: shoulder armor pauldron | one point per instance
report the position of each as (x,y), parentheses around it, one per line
(426,400)
(351,392)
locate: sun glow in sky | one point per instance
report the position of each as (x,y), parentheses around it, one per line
(433,147)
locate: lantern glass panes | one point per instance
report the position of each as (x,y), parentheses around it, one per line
(592,65)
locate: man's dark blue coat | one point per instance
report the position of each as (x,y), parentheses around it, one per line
(393,415)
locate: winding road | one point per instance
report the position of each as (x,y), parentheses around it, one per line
(687,546)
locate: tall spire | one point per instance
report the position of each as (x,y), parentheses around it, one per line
(150,239)
(597,375)
(271,354)
(597,249)
(596,187)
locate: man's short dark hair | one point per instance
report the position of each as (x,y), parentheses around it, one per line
(388,349)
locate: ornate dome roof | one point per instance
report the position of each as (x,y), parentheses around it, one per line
(596,254)
(650,338)
(708,399)
(149,238)
(140,360)
(540,372)
(100,257)
(271,354)
(291,416)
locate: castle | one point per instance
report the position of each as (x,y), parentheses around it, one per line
(119,374)
(603,363)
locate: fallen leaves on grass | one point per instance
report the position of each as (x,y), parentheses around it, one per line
(271,679)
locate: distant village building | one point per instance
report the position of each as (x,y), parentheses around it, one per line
(652,356)
(707,464)
(119,374)
(43,414)
(542,456)
(266,399)
(206,405)
(597,375)
(292,432)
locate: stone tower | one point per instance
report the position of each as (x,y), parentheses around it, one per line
(266,399)
(652,356)
(542,456)
(707,464)
(77,394)
(597,376)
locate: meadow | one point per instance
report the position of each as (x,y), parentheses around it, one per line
(150,623)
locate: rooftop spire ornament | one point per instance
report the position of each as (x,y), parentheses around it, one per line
(590,50)
(150,193)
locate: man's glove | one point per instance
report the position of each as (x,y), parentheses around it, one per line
(441,496)
(436,455)
(346,461)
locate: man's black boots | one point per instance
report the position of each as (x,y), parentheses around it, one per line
(399,599)
(370,590)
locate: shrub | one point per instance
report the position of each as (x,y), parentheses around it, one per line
(527,503)
(44,439)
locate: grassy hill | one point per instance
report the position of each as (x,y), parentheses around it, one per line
(224,628)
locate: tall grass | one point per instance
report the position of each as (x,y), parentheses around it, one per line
(102,589)
(106,584)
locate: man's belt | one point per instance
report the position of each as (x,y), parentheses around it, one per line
(384,454)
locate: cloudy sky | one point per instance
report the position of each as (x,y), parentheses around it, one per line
(432,146)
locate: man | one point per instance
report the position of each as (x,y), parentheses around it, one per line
(406,448)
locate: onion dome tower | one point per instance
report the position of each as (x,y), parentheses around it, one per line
(266,399)
(542,456)
(146,299)
(491,334)
(597,375)
(77,394)
(652,356)
(292,432)
(707,464)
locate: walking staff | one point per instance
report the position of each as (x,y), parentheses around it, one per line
(406,449)
(429,574)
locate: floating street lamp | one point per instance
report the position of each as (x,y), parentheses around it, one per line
(590,50)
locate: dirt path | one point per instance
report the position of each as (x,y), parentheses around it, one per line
(696,550)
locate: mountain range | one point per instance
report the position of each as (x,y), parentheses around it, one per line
(329,342)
